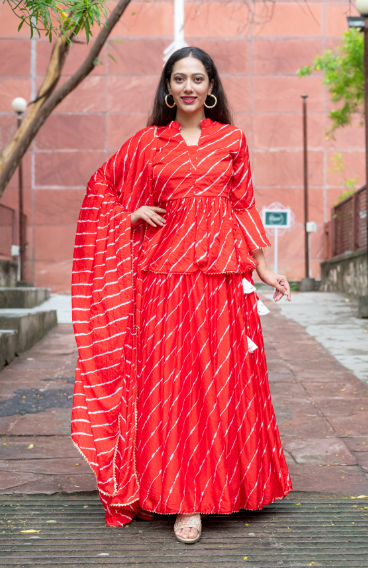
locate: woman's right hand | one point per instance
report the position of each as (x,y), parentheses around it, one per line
(150,215)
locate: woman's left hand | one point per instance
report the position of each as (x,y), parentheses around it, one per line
(278,281)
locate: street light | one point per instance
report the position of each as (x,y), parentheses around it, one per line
(362,7)
(19,106)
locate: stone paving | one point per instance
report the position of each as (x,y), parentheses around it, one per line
(331,319)
(321,408)
(36,452)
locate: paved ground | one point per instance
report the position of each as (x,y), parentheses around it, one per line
(69,531)
(331,319)
(36,390)
(321,408)
(320,405)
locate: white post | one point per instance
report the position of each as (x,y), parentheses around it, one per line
(276,244)
(179,40)
(179,22)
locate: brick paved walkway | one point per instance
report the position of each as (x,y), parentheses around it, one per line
(36,452)
(321,409)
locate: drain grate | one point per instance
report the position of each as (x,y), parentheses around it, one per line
(71,532)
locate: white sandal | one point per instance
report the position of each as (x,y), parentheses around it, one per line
(192,521)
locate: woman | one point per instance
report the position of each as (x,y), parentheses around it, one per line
(172,408)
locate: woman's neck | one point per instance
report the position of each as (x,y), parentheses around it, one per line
(192,120)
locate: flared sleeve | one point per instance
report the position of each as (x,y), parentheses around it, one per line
(242,197)
(103,417)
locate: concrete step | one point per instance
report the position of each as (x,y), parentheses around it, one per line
(23,297)
(8,346)
(29,327)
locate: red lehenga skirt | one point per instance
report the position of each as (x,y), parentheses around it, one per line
(207,439)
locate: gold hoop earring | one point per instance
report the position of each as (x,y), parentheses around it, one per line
(213,106)
(167,104)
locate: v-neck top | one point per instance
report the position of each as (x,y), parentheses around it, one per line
(212,223)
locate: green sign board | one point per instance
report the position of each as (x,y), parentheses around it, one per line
(277,218)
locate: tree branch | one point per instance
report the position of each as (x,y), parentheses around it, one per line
(15,151)
(49,83)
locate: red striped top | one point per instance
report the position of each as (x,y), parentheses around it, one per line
(212,223)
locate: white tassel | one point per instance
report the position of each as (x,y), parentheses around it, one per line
(247,287)
(251,345)
(261,308)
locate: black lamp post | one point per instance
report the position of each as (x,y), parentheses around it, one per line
(361,22)
(307,283)
(19,106)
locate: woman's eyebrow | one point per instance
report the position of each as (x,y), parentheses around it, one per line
(184,74)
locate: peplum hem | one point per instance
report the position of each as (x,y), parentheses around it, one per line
(202,234)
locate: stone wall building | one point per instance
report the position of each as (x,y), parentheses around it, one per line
(257,46)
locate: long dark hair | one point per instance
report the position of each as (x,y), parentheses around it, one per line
(161,114)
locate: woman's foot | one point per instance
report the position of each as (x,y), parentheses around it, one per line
(188,528)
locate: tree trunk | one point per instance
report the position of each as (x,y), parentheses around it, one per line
(42,109)
(49,83)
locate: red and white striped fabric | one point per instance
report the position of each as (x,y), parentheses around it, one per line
(170,409)
(212,221)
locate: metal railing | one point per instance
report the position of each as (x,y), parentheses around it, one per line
(349,224)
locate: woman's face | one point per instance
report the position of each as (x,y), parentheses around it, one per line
(189,84)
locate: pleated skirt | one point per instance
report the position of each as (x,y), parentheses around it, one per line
(207,439)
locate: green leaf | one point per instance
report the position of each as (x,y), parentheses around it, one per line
(336,160)
(345,195)
(52,18)
(112,57)
(304,71)
(343,75)
(350,183)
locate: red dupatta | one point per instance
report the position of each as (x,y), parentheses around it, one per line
(103,283)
